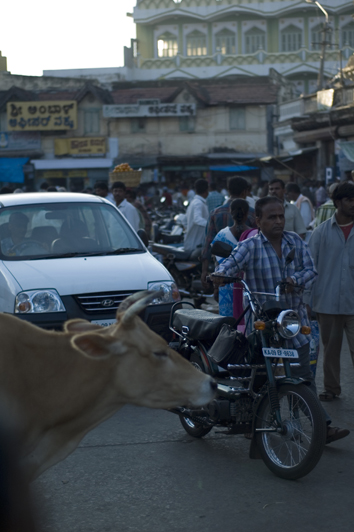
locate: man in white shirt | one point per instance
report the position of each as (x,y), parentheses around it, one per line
(197,217)
(293,193)
(293,218)
(126,208)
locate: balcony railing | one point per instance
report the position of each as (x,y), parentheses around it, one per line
(260,57)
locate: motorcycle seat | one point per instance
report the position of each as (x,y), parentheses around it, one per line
(178,253)
(201,324)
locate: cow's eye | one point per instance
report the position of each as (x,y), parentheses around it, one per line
(160,354)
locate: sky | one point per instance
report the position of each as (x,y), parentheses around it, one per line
(38,35)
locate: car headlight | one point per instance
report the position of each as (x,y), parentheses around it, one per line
(169,289)
(38,301)
(288,323)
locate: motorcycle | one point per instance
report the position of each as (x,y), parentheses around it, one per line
(256,392)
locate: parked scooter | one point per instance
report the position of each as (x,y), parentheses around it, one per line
(283,417)
(169,225)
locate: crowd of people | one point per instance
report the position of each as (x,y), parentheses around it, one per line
(238,217)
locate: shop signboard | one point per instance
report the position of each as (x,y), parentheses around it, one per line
(18,141)
(80,146)
(155,110)
(42,116)
(62,174)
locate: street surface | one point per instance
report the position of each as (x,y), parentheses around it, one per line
(140,472)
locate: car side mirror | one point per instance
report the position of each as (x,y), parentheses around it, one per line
(221,249)
(143,237)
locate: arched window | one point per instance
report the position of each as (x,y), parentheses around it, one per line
(167,45)
(348,35)
(317,37)
(255,39)
(291,39)
(196,43)
(225,42)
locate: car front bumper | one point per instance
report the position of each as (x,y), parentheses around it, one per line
(155,316)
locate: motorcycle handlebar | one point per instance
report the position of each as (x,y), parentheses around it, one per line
(227,279)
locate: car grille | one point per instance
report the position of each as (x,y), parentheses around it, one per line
(104,302)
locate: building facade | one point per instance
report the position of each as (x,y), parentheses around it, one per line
(3,63)
(72,132)
(215,38)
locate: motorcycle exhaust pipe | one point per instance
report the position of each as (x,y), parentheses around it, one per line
(227,392)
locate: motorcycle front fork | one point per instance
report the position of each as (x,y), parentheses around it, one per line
(272,387)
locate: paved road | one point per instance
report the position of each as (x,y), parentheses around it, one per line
(140,472)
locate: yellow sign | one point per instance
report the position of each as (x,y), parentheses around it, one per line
(80,146)
(42,116)
(51,174)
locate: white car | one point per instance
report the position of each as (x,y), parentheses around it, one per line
(67,255)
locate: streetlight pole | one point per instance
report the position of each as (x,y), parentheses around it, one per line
(326,29)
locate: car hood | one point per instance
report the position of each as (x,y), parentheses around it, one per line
(78,275)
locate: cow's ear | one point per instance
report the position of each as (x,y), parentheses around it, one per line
(96,346)
(80,326)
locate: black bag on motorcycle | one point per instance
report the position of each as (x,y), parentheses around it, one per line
(230,347)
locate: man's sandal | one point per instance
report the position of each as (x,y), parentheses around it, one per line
(327,396)
(335,433)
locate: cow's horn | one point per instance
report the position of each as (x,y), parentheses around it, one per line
(129,301)
(143,299)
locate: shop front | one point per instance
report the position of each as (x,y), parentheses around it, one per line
(75,174)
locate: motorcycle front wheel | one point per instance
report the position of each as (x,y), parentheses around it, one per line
(197,430)
(295,452)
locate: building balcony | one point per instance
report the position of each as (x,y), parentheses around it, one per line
(261,57)
(310,104)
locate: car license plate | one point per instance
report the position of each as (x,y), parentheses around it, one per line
(104,323)
(271,352)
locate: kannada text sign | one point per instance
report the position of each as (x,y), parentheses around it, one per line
(42,116)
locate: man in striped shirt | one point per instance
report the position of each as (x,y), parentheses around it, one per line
(262,258)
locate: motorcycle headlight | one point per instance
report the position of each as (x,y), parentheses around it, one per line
(38,301)
(288,323)
(169,289)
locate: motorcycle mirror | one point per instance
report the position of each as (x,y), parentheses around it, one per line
(221,249)
(290,257)
(143,237)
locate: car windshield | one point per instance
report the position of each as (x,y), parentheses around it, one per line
(64,230)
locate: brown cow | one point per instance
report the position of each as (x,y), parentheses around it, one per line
(66,383)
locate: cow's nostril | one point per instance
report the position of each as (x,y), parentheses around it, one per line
(213,385)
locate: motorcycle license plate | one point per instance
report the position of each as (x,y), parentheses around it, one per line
(271,352)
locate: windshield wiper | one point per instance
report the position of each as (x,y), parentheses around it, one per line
(121,251)
(63,255)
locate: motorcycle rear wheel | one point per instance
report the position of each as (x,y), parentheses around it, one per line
(294,454)
(197,430)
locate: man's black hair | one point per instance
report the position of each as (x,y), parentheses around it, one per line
(239,209)
(131,193)
(43,186)
(201,186)
(293,187)
(343,190)
(236,185)
(266,201)
(277,180)
(101,184)
(119,184)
